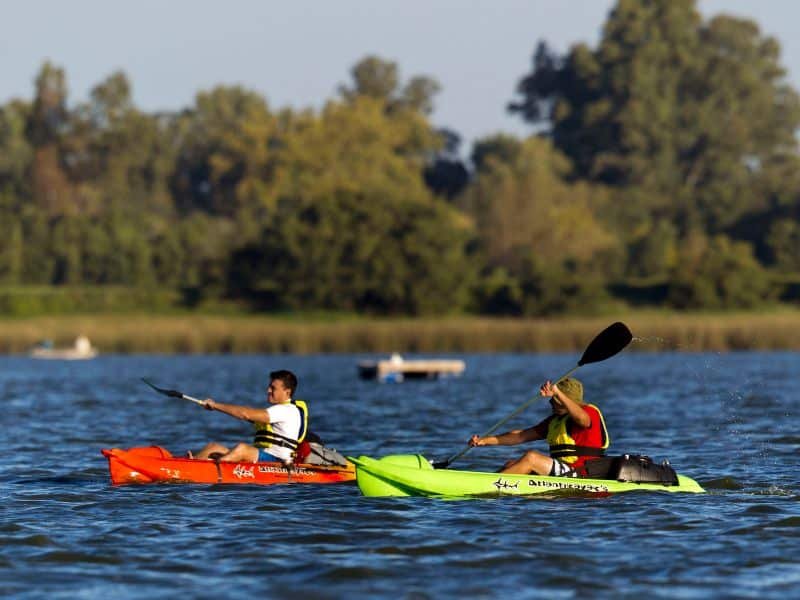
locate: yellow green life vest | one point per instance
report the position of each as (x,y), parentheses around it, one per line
(266,437)
(567,449)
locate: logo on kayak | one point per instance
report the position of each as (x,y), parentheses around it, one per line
(242,472)
(566,485)
(171,473)
(502,484)
(283,470)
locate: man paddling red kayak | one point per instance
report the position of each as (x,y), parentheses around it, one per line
(575,431)
(280,428)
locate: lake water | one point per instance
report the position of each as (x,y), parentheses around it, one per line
(729,421)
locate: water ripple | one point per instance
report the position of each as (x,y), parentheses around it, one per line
(65,532)
(723,483)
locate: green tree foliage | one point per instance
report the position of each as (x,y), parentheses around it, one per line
(16,154)
(696,115)
(500,148)
(528,205)
(47,124)
(356,145)
(379,79)
(784,243)
(206,243)
(718,274)
(374,78)
(225,162)
(668,154)
(120,157)
(356,227)
(654,253)
(536,226)
(446,175)
(11,250)
(538,289)
(49,114)
(357,251)
(418,94)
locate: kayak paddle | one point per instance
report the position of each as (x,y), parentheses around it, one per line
(173,393)
(608,342)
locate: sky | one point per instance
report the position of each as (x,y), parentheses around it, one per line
(298,52)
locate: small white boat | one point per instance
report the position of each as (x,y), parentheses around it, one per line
(81,350)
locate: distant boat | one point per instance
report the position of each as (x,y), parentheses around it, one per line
(81,350)
(397,369)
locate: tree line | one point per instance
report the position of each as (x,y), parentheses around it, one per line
(664,170)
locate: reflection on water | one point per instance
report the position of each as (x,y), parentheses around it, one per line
(725,420)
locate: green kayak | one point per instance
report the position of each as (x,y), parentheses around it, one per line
(413,475)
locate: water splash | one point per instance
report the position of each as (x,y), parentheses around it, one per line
(655,338)
(723,483)
(774,490)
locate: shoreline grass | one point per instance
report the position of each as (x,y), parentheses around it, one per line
(191,334)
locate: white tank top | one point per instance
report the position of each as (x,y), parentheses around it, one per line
(285,420)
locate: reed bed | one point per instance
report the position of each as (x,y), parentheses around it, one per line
(191,334)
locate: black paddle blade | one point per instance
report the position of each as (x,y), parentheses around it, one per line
(171,393)
(607,343)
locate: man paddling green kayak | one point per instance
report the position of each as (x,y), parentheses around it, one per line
(575,431)
(573,441)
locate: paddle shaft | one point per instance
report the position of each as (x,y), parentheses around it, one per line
(174,393)
(494,427)
(195,400)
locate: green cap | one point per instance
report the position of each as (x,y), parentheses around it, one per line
(571,387)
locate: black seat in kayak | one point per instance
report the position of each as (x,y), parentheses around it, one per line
(633,468)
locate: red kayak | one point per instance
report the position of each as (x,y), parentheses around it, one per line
(150,464)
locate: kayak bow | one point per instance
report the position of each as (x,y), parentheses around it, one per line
(154,464)
(413,475)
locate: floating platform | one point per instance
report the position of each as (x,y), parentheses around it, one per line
(396,369)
